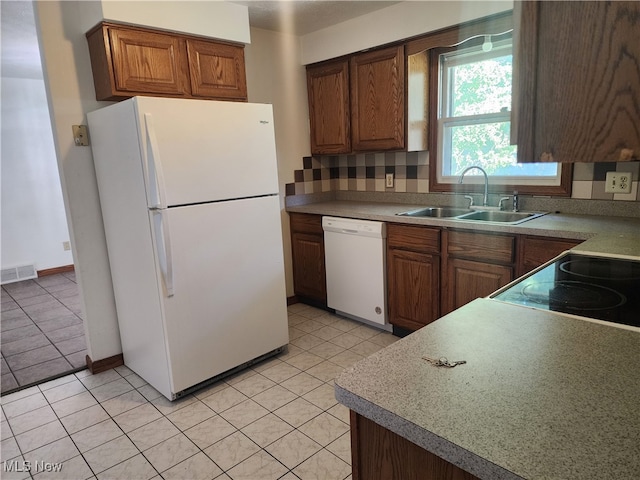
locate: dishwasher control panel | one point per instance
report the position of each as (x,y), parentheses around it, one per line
(354,227)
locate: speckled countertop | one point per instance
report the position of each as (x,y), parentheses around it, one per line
(542,396)
(560,225)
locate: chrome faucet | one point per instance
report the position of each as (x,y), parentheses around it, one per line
(485,200)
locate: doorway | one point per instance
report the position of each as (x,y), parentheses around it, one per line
(38,314)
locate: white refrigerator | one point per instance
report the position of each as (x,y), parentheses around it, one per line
(189,197)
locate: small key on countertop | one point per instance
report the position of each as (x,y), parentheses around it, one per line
(444,362)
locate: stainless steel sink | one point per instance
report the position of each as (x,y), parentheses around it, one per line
(498,216)
(436,212)
(457,213)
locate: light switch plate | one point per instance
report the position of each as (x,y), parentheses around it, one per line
(618,182)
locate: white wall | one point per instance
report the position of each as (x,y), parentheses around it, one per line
(217,19)
(275,75)
(397,22)
(34,224)
(70,93)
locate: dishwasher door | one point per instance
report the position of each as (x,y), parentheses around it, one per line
(356,268)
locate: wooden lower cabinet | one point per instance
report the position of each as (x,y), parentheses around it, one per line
(475,265)
(380,454)
(413,275)
(307,246)
(414,288)
(469,280)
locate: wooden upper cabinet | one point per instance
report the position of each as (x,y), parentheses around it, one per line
(217,70)
(328,90)
(147,61)
(378,100)
(577,81)
(128,60)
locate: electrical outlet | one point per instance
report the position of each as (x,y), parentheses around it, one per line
(66,246)
(389,180)
(618,182)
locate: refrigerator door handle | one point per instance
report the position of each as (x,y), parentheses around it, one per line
(155,176)
(163,249)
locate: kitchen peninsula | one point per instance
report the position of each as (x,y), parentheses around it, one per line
(541,396)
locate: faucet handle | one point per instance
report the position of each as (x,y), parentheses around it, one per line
(470,198)
(502,199)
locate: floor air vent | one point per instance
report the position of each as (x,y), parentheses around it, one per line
(17,274)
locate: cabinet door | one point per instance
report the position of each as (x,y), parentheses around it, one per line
(378,100)
(217,70)
(147,62)
(468,280)
(328,90)
(414,288)
(309,277)
(578,81)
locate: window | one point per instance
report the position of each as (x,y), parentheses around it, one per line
(472,117)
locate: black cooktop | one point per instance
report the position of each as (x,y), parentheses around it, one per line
(583,285)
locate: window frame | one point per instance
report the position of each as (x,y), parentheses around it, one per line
(475,185)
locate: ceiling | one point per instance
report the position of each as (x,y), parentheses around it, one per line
(305,16)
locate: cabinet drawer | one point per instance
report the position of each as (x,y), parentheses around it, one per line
(304,222)
(536,251)
(413,238)
(480,246)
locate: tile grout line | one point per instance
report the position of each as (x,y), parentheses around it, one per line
(259,376)
(50,342)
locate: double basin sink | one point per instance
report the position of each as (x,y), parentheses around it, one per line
(490,216)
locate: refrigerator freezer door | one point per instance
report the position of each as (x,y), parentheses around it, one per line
(205,151)
(229,300)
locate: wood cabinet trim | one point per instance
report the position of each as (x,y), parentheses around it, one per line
(447,37)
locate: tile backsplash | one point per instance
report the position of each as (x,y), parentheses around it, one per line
(366,173)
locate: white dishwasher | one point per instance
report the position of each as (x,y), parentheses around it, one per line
(354,253)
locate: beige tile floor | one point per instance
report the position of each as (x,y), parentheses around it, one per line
(277,420)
